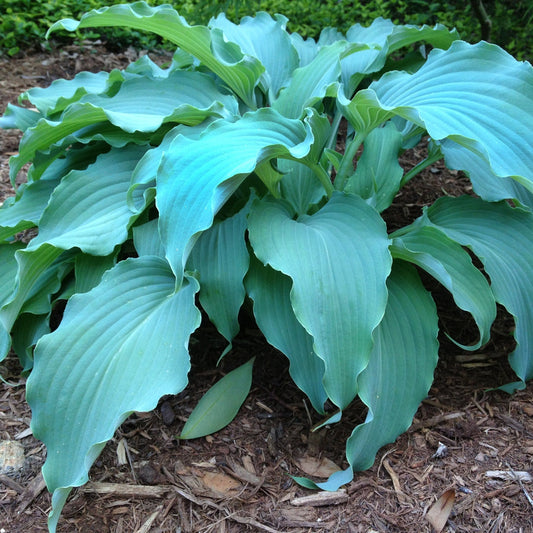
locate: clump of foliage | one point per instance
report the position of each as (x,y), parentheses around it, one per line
(218,176)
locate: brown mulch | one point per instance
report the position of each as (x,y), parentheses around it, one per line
(239,479)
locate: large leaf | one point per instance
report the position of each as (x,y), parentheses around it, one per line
(144,176)
(7,287)
(299,185)
(270,292)
(478,96)
(25,209)
(399,373)
(9,269)
(378,174)
(384,38)
(502,238)
(310,84)
(184,97)
(221,259)
(146,239)
(265,38)
(197,176)
(89,269)
(25,333)
(225,59)
(485,182)
(61,92)
(20,118)
(338,260)
(89,208)
(119,348)
(26,212)
(451,265)
(220,404)
(95,218)
(31,270)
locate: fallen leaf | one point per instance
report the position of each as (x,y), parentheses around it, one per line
(510,475)
(319,499)
(121,453)
(439,512)
(220,483)
(11,456)
(528,410)
(313,466)
(299,514)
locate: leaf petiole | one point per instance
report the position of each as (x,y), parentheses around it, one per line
(434,155)
(346,168)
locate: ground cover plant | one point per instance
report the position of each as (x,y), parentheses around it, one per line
(218,176)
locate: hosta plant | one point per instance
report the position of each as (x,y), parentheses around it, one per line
(217,179)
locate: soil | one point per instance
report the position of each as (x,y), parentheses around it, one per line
(239,478)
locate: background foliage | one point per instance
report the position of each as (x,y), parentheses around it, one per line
(23,23)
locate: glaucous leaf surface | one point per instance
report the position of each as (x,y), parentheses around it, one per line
(502,238)
(122,345)
(338,260)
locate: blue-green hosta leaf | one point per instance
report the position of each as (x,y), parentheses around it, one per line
(485,182)
(25,333)
(61,92)
(92,204)
(119,348)
(48,166)
(33,197)
(265,38)
(399,373)
(27,211)
(307,48)
(478,96)
(89,269)
(270,292)
(378,174)
(9,269)
(311,83)
(240,72)
(144,66)
(184,97)
(19,118)
(502,238)
(221,258)
(144,176)
(198,175)
(384,37)
(220,404)
(355,66)
(299,185)
(147,241)
(38,299)
(339,261)
(451,265)
(31,269)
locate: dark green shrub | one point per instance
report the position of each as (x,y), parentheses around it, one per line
(24,22)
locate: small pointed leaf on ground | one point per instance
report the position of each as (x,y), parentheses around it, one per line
(220,404)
